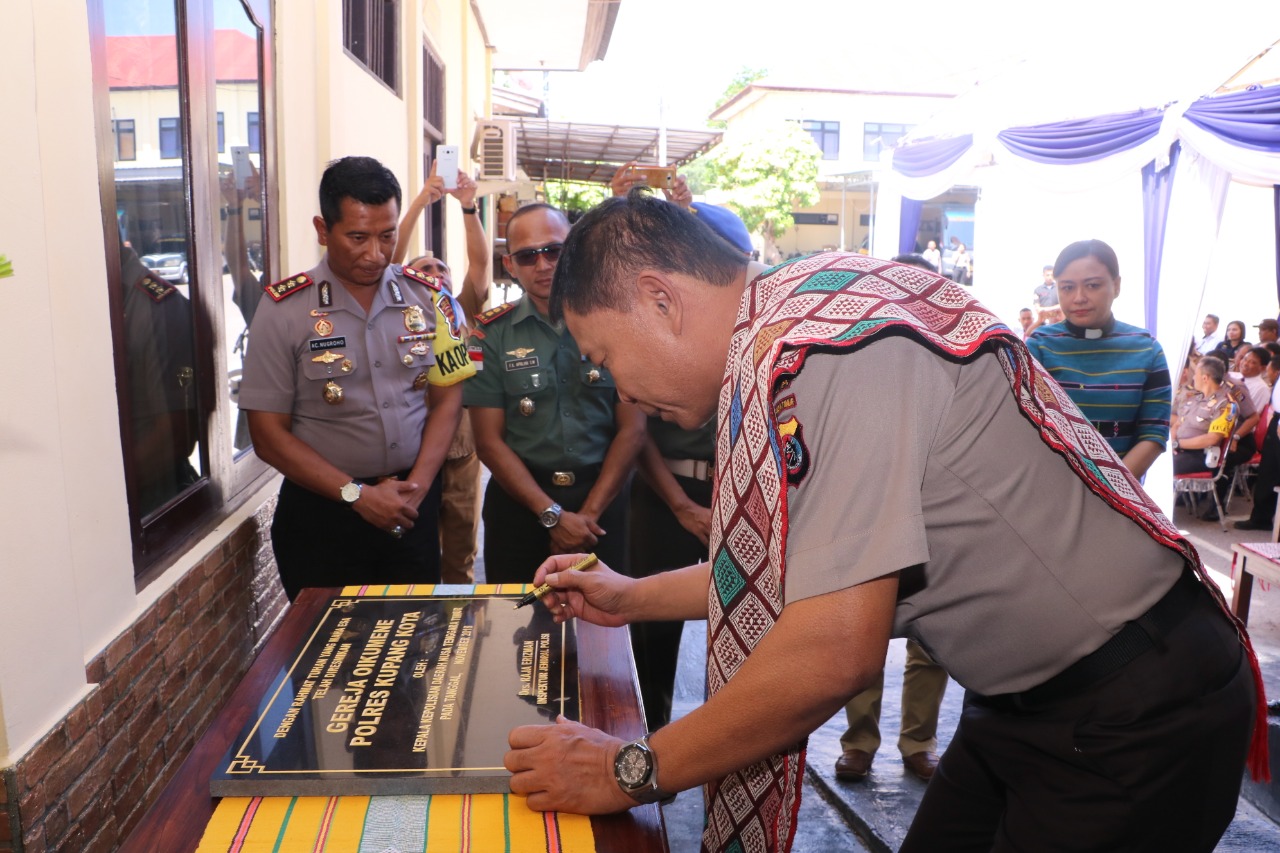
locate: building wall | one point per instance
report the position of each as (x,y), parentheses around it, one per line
(104,687)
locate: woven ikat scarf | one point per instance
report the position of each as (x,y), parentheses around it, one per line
(838,302)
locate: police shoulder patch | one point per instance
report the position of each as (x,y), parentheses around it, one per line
(422,278)
(289,286)
(487,317)
(155,287)
(795,454)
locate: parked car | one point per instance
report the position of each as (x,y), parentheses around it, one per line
(171,266)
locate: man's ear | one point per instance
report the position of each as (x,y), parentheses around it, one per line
(322,230)
(658,294)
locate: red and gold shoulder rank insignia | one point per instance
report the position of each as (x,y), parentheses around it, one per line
(155,287)
(422,278)
(486,317)
(281,289)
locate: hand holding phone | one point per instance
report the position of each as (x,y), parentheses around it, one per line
(658,177)
(447,165)
(241,165)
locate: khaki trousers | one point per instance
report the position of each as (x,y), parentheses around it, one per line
(923,685)
(459,518)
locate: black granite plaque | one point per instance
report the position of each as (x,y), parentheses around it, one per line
(405,695)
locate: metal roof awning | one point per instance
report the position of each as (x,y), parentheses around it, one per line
(591,153)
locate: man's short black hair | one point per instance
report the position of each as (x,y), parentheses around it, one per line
(623,235)
(530,208)
(1261,353)
(914,259)
(362,179)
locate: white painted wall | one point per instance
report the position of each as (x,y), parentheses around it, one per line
(66,576)
(66,566)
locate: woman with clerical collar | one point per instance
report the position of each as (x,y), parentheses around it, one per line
(1116,373)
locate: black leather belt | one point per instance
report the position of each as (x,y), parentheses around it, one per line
(373,481)
(1132,640)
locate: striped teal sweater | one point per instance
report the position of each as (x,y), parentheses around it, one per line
(1120,380)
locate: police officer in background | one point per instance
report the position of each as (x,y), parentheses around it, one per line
(347,400)
(549,425)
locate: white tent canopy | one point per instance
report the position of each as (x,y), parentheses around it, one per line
(1028,210)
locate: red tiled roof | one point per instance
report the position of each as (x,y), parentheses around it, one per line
(148,62)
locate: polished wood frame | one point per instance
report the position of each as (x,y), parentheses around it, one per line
(227,479)
(610,701)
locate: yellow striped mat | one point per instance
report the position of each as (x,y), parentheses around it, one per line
(448,823)
(456,823)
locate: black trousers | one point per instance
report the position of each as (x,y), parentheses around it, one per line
(659,543)
(1264,495)
(1149,759)
(515,543)
(319,542)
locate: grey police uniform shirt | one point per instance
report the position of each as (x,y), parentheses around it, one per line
(1011,568)
(377,428)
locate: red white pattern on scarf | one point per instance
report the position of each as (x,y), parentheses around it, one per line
(838,302)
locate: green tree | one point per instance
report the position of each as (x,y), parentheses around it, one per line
(574,195)
(744,78)
(766,176)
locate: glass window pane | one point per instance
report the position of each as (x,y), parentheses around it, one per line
(239,93)
(158,393)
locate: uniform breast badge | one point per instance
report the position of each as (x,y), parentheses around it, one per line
(332,393)
(347,366)
(420,348)
(328,357)
(527,406)
(324,327)
(420,381)
(407,359)
(415,319)
(593,375)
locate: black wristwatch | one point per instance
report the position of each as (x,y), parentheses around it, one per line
(635,768)
(469,210)
(550,516)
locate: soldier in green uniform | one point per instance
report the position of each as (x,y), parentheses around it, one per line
(549,425)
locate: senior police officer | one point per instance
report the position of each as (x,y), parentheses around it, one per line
(549,425)
(347,398)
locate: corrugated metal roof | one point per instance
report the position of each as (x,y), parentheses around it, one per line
(570,151)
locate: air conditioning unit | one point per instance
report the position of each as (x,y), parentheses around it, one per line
(494,145)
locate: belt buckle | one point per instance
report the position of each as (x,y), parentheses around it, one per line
(562,478)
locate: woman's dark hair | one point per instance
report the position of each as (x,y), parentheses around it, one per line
(1088,249)
(1213,367)
(1240,325)
(363,179)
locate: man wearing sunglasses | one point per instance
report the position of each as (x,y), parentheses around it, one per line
(549,424)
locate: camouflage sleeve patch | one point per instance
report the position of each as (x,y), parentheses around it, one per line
(422,278)
(281,289)
(492,314)
(155,287)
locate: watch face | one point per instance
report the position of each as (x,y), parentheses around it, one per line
(633,766)
(350,492)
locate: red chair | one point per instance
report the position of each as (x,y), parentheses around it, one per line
(1195,485)
(1247,469)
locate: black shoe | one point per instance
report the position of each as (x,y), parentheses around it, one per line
(1211,514)
(1250,524)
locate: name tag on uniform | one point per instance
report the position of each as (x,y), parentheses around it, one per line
(521,363)
(318,344)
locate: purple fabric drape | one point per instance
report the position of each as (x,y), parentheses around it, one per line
(919,159)
(909,224)
(1082,140)
(1249,119)
(1157,188)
